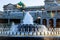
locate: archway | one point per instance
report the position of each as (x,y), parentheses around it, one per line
(58,23)
(3,20)
(16,21)
(51,23)
(45,22)
(37,20)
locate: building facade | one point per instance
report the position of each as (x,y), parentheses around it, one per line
(48,15)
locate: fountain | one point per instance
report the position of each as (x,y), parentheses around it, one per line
(42,28)
(28,23)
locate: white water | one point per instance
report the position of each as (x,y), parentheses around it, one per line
(28,19)
(42,28)
(13,27)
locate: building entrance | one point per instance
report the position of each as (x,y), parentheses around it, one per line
(51,23)
(15,20)
(3,20)
(58,23)
(37,21)
(45,22)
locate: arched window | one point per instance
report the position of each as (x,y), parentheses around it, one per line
(51,23)
(45,22)
(37,20)
(15,21)
(58,23)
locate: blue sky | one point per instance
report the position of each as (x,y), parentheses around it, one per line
(26,2)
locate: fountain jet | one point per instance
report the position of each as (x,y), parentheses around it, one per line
(13,27)
(28,19)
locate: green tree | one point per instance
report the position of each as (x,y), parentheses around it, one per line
(21,4)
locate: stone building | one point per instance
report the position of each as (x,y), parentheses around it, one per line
(48,15)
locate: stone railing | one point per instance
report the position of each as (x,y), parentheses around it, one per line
(50,33)
(23,34)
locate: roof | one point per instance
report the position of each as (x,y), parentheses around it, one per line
(35,7)
(26,8)
(49,0)
(54,8)
(8,5)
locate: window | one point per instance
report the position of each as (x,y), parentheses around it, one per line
(51,13)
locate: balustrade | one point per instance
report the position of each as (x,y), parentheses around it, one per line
(50,32)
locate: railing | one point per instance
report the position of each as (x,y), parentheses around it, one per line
(3,25)
(50,33)
(33,29)
(23,34)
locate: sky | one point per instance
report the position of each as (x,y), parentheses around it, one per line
(26,2)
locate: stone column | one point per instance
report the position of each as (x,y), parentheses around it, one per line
(48,23)
(41,14)
(8,21)
(56,13)
(41,21)
(54,23)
